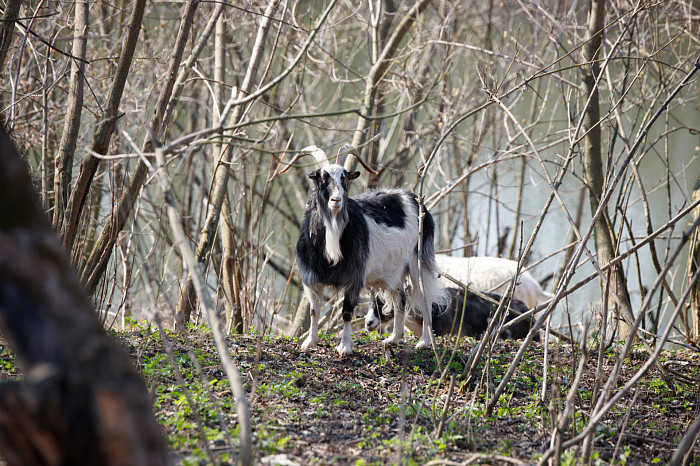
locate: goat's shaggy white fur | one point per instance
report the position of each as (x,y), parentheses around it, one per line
(484,273)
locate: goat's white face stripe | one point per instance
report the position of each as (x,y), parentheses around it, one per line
(336,197)
(336,192)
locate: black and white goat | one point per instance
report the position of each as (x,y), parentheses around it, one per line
(471,316)
(367,240)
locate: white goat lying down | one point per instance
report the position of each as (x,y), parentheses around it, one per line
(484,273)
(368,240)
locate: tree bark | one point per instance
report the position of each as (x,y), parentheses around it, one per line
(103,134)
(618,297)
(694,265)
(81,401)
(71,123)
(7,28)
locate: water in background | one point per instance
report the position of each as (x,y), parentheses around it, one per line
(668,191)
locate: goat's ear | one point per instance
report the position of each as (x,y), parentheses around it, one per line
(315,175)
(353,175)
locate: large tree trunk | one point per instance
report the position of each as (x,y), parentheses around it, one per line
(618,297)
(81,401)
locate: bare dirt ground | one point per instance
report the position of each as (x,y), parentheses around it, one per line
(315,408)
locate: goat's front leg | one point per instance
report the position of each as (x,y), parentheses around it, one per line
(345,346)
(314,293)
(399,319)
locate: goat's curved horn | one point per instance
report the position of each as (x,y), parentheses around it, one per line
(317,153)
(350,149)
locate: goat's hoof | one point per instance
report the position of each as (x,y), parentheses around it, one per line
(392,340)
(344,350)
(423,344)
(309,343)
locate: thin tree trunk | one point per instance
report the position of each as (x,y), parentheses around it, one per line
(45,172)
(221,172)
(103,134)
(226,232)
(231,271)
(618,297)
(573,238)
(376,74)
(71,124)
(7,29)
(98,259)
(302,319)
(523,167)
(229,282)
(694,265)
(380,29)
(81,402)
(189,63)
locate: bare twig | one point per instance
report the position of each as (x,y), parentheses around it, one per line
(574,261)
(686,444)
(443,415)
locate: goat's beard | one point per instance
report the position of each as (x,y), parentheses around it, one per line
(335,224)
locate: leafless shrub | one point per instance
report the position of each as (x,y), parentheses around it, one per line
(483,107)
